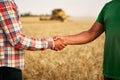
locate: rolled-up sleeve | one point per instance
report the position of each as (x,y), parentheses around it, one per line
(11,25)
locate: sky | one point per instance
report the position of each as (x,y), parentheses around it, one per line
(75,8)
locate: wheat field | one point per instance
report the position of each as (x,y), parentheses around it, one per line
(75,62)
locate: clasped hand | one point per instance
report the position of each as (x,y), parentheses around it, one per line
(59,43)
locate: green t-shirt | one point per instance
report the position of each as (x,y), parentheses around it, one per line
(110,18)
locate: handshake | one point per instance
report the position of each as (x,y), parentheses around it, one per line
(59,42)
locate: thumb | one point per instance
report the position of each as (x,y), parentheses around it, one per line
(56,38)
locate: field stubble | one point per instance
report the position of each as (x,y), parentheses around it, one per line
(76,62)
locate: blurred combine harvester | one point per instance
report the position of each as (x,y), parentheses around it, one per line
(58,14)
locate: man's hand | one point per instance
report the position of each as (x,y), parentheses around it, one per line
(59,43)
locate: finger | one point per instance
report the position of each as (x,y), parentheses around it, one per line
(56,38)
(59,47)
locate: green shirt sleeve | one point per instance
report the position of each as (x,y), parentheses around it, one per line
(100,17)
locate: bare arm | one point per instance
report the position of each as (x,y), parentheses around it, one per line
(84,37)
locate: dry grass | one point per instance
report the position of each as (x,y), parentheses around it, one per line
(78,62)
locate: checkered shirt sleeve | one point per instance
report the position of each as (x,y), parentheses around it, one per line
(10,24)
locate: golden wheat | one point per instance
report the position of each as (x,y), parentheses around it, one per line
(76,62)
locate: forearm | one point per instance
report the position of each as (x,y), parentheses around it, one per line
(85,37)
(28,43)
(78,39)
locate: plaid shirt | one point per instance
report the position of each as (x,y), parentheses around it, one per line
(12,40)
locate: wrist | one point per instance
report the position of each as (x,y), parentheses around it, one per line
(65,38)
(50,43)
